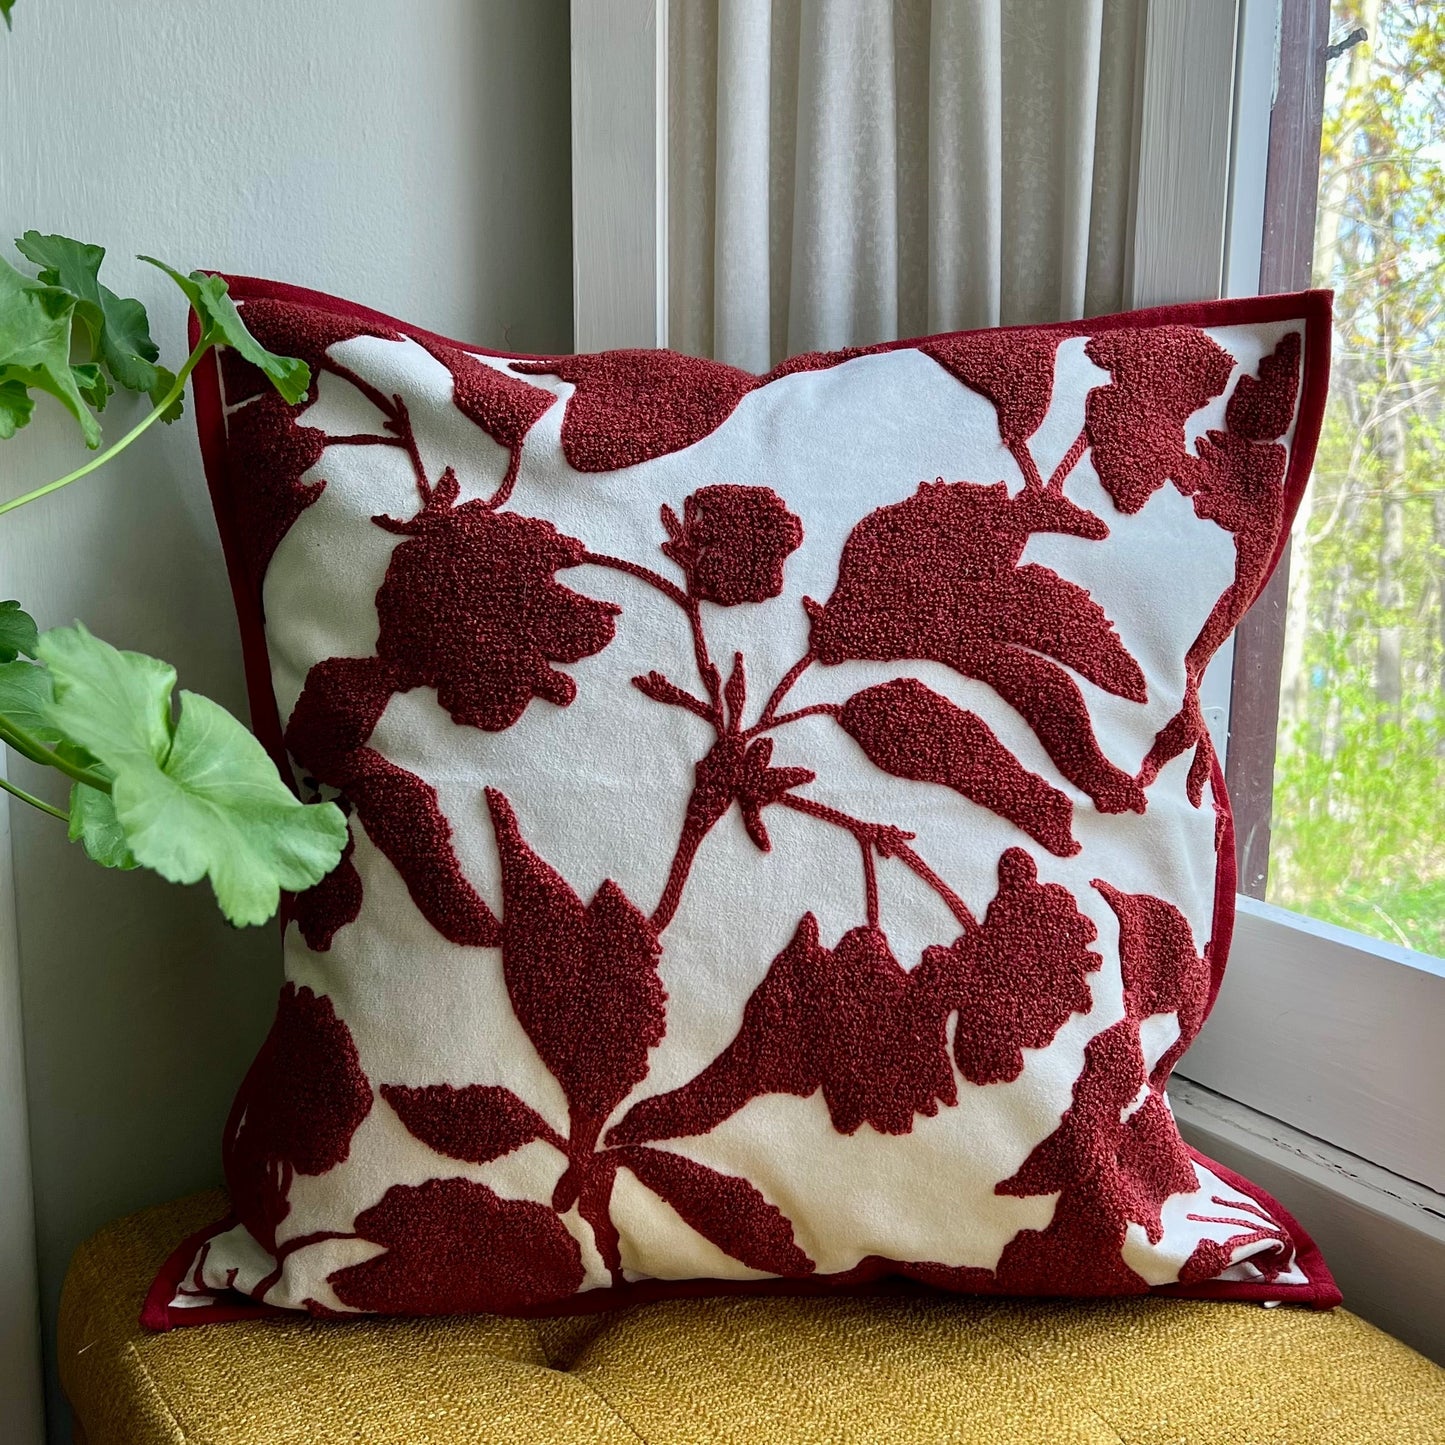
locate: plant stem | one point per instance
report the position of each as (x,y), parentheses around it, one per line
(144,424)
(32,748)
(34,802)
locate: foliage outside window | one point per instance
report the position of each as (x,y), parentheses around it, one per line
(1358,832)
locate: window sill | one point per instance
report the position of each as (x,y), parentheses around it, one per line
(1334,1034)
(1383,1236)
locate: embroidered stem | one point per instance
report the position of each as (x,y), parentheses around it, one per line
(780,692)
(816,709)
(891,843)
(1033,482)
(711,679)
(1069,461)
(284,1251)
(689,841)
(870,882)
(668,589)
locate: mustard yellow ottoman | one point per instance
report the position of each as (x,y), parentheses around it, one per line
(1141,1372)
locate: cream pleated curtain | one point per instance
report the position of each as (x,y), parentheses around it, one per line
(848,171)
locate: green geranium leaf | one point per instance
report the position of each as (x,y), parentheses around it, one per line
(26,698)
(15,407)
(17,632)
(119,330)
(35,325)
(6,6)
(90,382)
(193,798)
(221,324)
(94,825)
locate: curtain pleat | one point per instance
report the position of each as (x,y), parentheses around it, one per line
(848,171)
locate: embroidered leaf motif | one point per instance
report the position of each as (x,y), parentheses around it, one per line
(911,731)
(456,1247)
(849,1021)
(722,1208)
(1212,1257)
(505,408)
(1262,406)
(339,707)
(323,910)
(582,979)
(1237,482)
(1162,971)
(937,578)
(1014,370)
(628,407)
(478,1123)
(732,543)
(470,607)
(1122,1169)
(296,1111)
(273,450)
(1016,980)
(1161,376)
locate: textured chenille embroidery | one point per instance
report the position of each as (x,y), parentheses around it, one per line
(959,644)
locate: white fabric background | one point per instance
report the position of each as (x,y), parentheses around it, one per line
(848,171)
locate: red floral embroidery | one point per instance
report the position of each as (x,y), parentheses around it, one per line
(340,706)
(325,909)
(477,1124)
(1236,481)
(1212,1257)
(631,406)
(872,1035)
(1161,376)
(938,578)
(849,1021)
(583,984)
(1013,369)
(1262,407)
(911,731)
(732,542)
(290,330)
(1016,980)
(722,1208)
(1108,1170)
(455,1247)
(470,606)
(582,980)
(1162,972)
(269,444)
(298,1106)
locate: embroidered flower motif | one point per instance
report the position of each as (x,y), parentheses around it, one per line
(298,1106)
(737,770)
(470,606)
(732,543)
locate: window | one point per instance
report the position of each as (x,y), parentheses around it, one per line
(1358,829)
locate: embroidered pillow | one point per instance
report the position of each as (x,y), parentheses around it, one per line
(786,846)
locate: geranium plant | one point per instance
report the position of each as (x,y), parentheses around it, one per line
(186,791)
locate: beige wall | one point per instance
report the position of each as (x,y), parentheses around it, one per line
(413,156)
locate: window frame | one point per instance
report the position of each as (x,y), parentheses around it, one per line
(1316,1027)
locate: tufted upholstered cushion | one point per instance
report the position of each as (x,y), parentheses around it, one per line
(882,1368)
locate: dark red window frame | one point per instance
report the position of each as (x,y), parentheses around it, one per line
(1291,190)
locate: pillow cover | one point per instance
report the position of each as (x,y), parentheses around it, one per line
(786,846)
